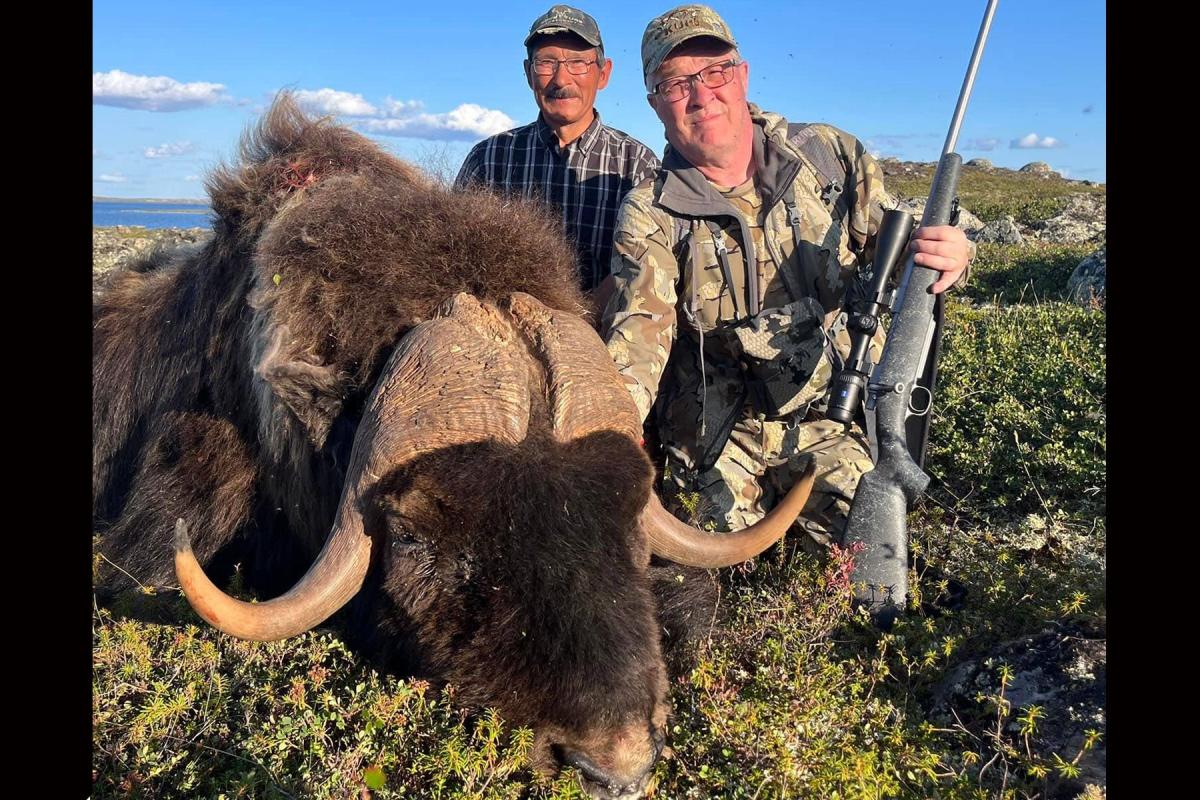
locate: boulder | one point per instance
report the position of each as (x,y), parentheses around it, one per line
(115,245)
(967,222)
(981,163)
(1039,168)
(1000,231)
(1063,669)
(1086,284)
(1084,219)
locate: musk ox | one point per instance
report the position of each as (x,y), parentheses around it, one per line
(381,395)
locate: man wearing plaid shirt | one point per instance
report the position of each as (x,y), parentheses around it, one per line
(567,158)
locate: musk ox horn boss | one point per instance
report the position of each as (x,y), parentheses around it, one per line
(360,358)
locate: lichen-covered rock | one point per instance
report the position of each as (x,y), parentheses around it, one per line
(1063,669)
(1084,219)
(119,244)
(1039,168)
(981,163)
(894,166)
(967,221)
(1086,284)
(1001,231)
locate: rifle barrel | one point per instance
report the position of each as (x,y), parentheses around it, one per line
(964,94)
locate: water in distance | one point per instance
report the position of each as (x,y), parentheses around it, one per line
(150,215)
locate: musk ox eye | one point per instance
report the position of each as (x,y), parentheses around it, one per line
(401,535)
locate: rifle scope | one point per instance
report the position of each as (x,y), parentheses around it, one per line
(850,382)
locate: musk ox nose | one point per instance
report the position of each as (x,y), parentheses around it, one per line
(622,770)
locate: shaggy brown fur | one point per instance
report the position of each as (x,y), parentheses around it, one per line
(326,250)
(229,383)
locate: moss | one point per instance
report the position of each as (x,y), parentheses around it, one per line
(1030,273)
(990,195)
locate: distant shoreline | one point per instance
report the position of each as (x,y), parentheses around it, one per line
(152,200)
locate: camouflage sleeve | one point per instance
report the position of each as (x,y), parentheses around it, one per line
(869,196)
(471,170)
(639,320)
(647,166)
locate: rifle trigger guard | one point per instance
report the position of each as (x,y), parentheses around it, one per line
(928,401)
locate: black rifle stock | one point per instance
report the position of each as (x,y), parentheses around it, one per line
(885,494)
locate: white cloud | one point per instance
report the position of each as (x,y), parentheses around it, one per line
(166,150)
(401,108)
(159,93)
(331,101)
(191,177)
(982,144)
(115,178)
(467,122)
(1032,141)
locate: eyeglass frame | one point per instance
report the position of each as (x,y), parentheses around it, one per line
(533,62)
(687,80)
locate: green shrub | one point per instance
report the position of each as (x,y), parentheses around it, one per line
(1020,422)
(183,712)
(1029,273)
(991,195)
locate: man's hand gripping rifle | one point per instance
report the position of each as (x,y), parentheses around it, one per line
(884,495)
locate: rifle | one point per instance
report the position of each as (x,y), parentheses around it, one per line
(884,495)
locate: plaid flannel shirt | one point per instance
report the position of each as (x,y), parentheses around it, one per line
(587,180)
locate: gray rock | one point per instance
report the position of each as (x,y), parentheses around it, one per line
(1063,669)
(1001,231)
(1086,284)
(982,163)
(967,221)
(120,245)
(892,166)
(1084,219)
(1039,168)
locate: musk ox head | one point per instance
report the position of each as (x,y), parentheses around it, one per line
(497,513)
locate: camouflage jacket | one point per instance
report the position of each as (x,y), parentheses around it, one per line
(665,294)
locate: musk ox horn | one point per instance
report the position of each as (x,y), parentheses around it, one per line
(587,395)
(685,544)
(461,377)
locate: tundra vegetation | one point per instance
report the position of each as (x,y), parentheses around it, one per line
(796,695)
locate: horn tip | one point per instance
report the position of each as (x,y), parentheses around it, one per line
(183,543)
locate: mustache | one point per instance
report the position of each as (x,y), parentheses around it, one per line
(559,92)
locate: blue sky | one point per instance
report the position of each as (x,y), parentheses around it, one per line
(174,84)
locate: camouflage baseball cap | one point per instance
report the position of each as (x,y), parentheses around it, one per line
(668,31)
(564,19)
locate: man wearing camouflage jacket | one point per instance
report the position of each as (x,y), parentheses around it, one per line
(736,360)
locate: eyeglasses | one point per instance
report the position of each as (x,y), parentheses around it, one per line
(548,66)
(714,76)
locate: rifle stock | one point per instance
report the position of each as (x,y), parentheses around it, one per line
(884,495)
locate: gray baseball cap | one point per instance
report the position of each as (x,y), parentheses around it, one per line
(565,19)
(666,32)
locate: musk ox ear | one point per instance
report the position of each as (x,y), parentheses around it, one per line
(312,391)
